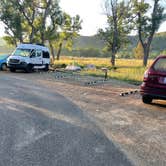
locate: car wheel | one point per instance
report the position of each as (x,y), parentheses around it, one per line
(147,99)
(4,66)
(12,69)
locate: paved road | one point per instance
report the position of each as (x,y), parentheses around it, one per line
(39,127)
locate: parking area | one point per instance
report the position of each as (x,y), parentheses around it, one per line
(138,129)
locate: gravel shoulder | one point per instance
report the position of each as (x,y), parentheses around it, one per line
(138,129)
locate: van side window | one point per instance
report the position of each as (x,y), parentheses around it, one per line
(46,54)
(38,53)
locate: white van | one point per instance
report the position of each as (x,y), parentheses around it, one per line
(29,57)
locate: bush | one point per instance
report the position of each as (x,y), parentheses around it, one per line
(59,65)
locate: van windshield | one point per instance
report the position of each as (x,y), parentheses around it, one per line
(22,52)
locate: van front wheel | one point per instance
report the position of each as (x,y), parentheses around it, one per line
(46,67)
(29,68)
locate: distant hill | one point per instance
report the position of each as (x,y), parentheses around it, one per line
(94,43)
(82,42)
(88,42)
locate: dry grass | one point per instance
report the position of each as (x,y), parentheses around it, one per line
(130,70)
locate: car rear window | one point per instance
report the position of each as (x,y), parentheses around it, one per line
(160,65)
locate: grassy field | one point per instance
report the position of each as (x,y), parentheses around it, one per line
(129,70)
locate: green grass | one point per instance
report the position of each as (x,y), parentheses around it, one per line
(129,70)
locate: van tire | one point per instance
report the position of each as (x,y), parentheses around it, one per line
(29,68)
(12,70)
(46,67)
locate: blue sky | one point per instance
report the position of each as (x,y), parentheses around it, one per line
(90,12)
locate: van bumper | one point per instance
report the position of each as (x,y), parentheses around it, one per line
(22,65)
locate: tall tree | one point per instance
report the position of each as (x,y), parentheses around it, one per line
(69,31)
(29,12)
(12,21)
(147,24)
(39,21)
(28,20)
(118,19)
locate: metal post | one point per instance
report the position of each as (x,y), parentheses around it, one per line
(105,70)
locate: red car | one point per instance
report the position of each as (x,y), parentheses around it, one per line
(154,82)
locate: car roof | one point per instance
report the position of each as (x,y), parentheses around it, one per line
(161,56)
(33,46)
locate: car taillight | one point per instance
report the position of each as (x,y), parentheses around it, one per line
(146,75)
(150,76)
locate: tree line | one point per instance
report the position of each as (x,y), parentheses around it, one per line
(133,15)
(38,21)
(43,21)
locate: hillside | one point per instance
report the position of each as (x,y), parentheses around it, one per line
(88,42)
(92,46)
(158,44)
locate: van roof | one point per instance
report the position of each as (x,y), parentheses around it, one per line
(33,46)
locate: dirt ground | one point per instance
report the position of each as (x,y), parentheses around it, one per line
(138,129)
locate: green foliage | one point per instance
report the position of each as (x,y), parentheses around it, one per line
(70,28)
(10,40)
(118,19)
(39,21)
(12,20)
(147,23)
(26,21)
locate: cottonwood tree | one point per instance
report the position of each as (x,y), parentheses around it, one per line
(28,20)
(147,24)
(12,21)
(39,21)
(119,25)
(69,30)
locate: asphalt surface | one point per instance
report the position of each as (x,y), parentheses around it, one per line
(39,127)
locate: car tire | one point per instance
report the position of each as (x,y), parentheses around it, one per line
(46,67)
(147,99)
(12,69)
(4,67)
